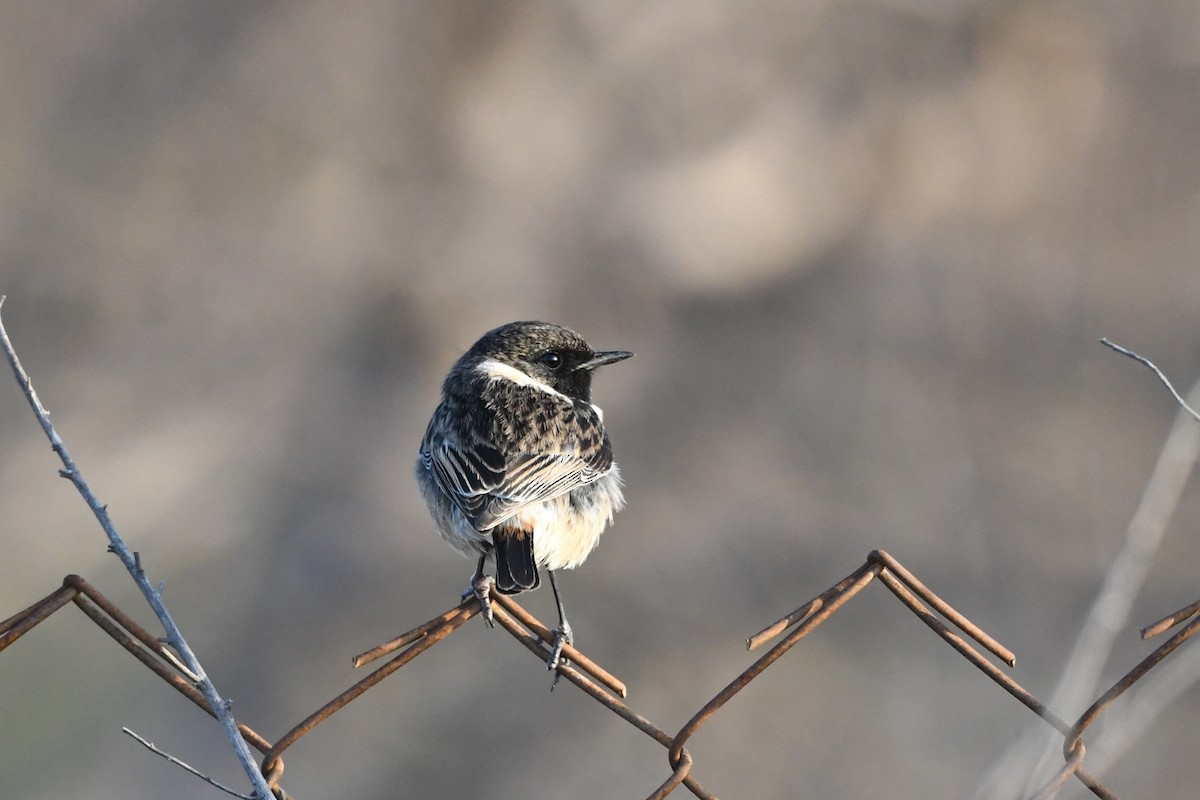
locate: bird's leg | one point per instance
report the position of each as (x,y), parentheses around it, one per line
(481,587)
(562,634)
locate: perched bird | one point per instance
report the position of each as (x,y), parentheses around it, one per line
(516,463)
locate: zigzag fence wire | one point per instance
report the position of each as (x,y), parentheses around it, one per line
(607,690)
(577,668)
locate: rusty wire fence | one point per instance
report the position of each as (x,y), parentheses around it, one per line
(680,769)
(169,658)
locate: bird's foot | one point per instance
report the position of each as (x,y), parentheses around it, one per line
(562,637)
(481,587)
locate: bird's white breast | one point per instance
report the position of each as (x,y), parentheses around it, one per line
(567,528)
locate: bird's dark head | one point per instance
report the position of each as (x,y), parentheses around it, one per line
(548,354)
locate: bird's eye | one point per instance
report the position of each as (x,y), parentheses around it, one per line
(552,359)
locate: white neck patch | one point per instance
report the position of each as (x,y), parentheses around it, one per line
(497,371)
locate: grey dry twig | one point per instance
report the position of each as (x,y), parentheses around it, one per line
(1109,613)
(132,562)
(1147,362)
(153,748)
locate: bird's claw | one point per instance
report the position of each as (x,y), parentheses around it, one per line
(481,587)
(562,637)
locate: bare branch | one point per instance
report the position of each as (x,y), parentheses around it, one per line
(133,564)
(1147,362)
(154,749)
(1109,613)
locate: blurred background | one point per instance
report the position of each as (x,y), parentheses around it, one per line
(863,250)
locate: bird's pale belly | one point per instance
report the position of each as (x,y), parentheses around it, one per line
(567,528)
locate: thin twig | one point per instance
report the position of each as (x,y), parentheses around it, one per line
(1147,362)
(1109,613)
(132,562)
(153,748)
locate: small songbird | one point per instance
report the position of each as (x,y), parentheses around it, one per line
(516,463)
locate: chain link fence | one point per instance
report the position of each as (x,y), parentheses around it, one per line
(172,661)
(956,630)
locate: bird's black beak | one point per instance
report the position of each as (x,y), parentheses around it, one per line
(606,357)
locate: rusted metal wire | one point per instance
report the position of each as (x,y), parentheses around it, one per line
(1072,746)
(609,691)
(409,636)
(1170,621)
(137,641)
(544,633)
(910,591)
(21,623)
(677,777)
(273,764)
(1074,761)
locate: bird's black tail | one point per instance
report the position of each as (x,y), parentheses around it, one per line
(516,570)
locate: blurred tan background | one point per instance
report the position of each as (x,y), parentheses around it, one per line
(863,250)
